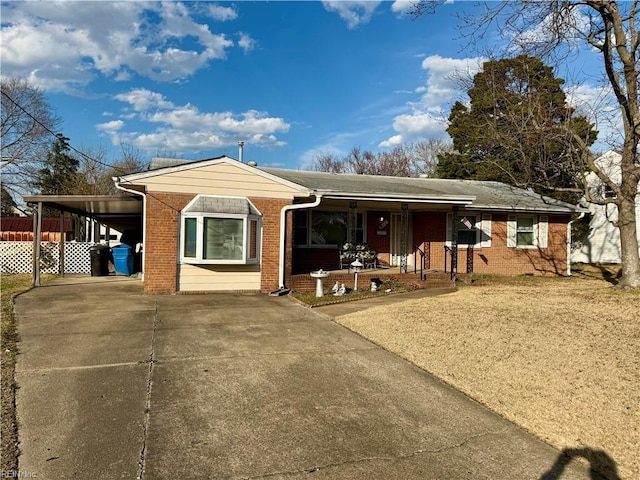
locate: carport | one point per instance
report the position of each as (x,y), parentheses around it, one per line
(117,212)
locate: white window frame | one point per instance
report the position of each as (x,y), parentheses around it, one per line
(246,242)
(482,227)
(540,231)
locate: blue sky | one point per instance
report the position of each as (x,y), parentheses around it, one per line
(291,79)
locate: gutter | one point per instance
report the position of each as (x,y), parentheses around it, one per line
(283,231)
(117,181)
(582,214)
(392,197)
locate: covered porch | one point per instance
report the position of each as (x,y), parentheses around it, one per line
(388,236)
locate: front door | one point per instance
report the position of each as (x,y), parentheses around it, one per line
(398,231)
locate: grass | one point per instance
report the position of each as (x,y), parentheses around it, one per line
(557,356)
(10,286)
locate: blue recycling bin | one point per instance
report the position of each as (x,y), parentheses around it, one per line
(123,259)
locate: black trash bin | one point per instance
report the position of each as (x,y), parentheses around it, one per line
(100,255)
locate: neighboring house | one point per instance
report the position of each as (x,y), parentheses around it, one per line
(602,244)
(20,229)
(222,225)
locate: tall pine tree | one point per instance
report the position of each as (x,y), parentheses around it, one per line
(60,174)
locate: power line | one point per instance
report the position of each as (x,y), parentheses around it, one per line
(82,154)
(58,135)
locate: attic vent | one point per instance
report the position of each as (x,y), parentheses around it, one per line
(252,163)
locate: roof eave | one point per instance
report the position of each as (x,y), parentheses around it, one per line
(511,208)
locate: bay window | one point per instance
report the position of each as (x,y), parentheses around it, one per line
(230,235)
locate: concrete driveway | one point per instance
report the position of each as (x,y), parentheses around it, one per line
(116,384)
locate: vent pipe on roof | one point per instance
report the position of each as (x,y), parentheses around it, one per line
(240,151)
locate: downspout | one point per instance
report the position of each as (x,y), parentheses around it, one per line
(144,220)
(283,231)
(582,214)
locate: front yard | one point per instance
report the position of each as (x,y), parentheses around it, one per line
(559,357)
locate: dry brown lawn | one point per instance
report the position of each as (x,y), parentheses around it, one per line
(559,357)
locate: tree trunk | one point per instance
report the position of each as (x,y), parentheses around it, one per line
(629,245)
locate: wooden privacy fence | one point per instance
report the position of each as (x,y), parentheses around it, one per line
(17,257)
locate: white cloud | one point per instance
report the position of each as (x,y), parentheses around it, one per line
(185,129)
(110,127)
(599,106)
(401,6)
(246,42)
(447,81)
(355,13)
(61,45)
(142,99)
(544,33)
(220,13)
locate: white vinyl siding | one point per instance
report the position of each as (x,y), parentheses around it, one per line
(202,278)
(220,179)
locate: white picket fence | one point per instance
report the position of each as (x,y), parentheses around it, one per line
(17,257)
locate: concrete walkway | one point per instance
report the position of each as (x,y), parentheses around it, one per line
(116,384)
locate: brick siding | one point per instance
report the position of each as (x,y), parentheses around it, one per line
(429,231)
(161,241)
(270,209)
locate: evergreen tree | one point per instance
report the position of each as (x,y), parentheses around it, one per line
(7,204)
(60,174)
(518,130)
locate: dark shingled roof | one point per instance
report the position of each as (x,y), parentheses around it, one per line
(488,195)
(478,195)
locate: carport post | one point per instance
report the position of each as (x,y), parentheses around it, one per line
(96,231)
(37,233)
(62,239)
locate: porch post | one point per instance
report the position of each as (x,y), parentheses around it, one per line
(404,234)
(353,220)
(454,242)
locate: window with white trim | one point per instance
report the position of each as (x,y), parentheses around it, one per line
(467,230)
(321,228)
(527,231)
(226,232)
(473,230)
